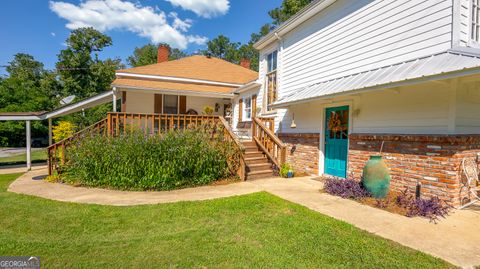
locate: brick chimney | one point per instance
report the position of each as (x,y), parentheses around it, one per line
(245,63)
(163,53)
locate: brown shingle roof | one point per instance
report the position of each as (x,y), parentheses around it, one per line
(198,67)
(174,86)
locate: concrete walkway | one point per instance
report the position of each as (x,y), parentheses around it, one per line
(455,239)
(21,168)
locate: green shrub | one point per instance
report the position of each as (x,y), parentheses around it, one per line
(136,161)
(63,130)
(284,170)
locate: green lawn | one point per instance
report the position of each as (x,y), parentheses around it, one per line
(37,156)
(252,231)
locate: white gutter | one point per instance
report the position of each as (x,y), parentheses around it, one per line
(401,83)
(177,79)
(80,104)
(303,15)
(178,92)
(248,86)
(21,118)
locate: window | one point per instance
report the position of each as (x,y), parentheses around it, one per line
(170,104)
(272,61)
(475,31)
(247,110)
(271,79)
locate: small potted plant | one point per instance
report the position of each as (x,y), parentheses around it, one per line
(286,171)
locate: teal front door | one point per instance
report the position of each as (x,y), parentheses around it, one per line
(336,141)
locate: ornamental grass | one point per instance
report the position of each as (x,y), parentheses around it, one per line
(136,161)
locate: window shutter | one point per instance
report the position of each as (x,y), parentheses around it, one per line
(254,106)
(240,109)
(183,104)
(158,104)
(124,101)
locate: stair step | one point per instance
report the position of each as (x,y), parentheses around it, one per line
(251,149)
(253,154)
(255,160)
(259,167)
(260,174)
(249,143)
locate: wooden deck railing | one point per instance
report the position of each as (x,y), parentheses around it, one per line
(268,122)
(120,123)
(268,142)
(230,136)
(57,151)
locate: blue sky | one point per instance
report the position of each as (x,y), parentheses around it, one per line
(39,27)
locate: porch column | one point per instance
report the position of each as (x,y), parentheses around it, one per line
(29,148)
(114,99)
(50,140)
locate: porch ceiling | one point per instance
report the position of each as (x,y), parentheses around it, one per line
(440,66)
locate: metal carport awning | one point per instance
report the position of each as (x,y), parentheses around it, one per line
(99,99)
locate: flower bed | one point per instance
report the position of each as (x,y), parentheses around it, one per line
(404,203)
(136,161)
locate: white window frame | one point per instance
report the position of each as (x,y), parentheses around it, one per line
(269,72)
(245,109)
(475,22)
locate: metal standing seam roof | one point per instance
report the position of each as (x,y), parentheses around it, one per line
(436,64)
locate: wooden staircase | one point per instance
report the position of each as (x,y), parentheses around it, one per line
(257,164)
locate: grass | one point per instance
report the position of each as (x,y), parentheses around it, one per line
(252,231)
(37,156)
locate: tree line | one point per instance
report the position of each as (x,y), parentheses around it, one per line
(79,72)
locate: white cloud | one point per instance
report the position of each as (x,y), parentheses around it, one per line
(145,21)
(53,34)
(204,8)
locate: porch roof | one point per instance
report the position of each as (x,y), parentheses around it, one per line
(95,100)
(446,65)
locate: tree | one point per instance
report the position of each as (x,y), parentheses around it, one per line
(221,47)
(80,70)
(28,87)
(148,55)
(287,10)
(83,74)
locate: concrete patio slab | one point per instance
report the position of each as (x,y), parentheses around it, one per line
(455,239)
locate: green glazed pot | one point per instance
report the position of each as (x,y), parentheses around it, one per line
(376,177)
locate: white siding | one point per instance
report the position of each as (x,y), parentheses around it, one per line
(428,108)
(354,36)
(468,110)
(422,109)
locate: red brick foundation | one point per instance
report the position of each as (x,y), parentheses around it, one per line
(302,152)
(433,160)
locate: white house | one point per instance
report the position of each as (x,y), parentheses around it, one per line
(347,79)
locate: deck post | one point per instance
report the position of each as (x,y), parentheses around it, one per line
(50,139)
(29,145)
(114,99)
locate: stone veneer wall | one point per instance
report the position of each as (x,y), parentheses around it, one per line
(433,160)
(302,151)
